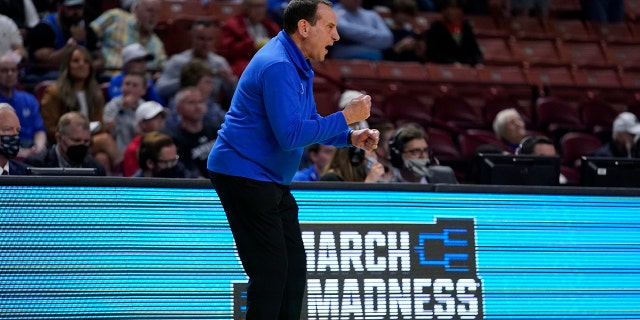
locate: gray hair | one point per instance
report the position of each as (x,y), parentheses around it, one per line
(501,120)
(6,106)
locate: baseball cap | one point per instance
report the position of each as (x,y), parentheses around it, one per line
(70,3)
(626,122)
(149,110)
(135,51)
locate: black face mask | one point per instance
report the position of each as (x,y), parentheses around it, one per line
(173,172)
(10,146)
(77,153)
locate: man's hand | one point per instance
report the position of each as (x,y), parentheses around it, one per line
(357,109)
(366,139)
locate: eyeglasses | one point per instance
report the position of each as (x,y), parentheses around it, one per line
(418,152)
(169,163)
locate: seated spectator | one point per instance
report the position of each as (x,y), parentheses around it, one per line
(77,90)
(241,36)
(11,38)
(351,165)
(196,73)
(24,14)
(193,136)
(117,28)
(509,128)
(319,155)
(625,128)
(56,35)
(33,137)
(363,33)
(119,113)
(603,10)
(202,43)
(412,159)
(71,149)
(150,116)
(452,40)
(386,130)
(539,146)
(134,60)
(345,98)
(158,158)
(407,44)
(10,142)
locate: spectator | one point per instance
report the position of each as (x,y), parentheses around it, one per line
(319,155)
(345,98)
(625,128)
(412,159)
(117,28)
(407,44)
(11,38)
(77,90)
(363,33)
(73,138)
(382,152)
(509,128)
(452,40)
(57,34)
(10,142)
(150,116)
(193,136)
(134,60)
(33,137)
(196,73)
(242,35)
(158,158)
(119,113)
(23,13)
(352,165)
(603,10)
(202,41)
(539,146)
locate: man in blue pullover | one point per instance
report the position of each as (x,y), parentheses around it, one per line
(271,120)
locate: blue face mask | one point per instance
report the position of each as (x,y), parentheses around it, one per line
(10,146)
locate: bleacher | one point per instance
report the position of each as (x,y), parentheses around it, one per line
(565,75)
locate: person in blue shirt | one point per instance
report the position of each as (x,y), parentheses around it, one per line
(272,118)
(33,135)
(134,57)
(320,155)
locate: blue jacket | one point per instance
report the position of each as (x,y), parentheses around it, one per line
(273,117)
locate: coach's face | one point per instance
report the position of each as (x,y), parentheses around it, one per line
(321,35)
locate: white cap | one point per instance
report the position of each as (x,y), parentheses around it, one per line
(135,51)
(626,122)
(347,96)
(149,110)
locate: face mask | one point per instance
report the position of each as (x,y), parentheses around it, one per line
(172,172)
(77,153)
(419,167)
(9,146)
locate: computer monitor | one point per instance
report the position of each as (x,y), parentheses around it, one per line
(511,169)
(610,172)
(59,171)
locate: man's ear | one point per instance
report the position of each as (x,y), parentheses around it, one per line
(303,27)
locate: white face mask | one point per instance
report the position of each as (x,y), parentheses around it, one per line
(419,167)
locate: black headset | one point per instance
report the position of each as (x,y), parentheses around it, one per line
(528,144)
(396,146)
(356,156)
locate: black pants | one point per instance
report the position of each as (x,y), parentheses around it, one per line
(264,221)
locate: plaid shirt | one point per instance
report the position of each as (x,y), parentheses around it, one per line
(116,29)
